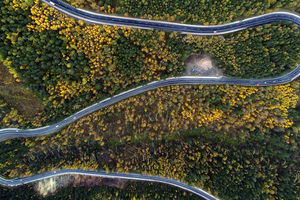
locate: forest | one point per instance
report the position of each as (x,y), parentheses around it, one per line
(189,11)
(261,166)
(132,190)
(93,62)
(209,136)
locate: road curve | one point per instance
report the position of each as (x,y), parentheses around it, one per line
(10,133)
(97,18)
(129,176)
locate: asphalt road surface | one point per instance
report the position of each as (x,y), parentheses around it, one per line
(87,16)
(130,176)
(10,133)
(97,18)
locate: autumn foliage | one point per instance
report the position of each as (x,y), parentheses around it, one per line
(225,139)
(93,62)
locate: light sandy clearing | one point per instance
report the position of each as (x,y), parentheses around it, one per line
(201,65)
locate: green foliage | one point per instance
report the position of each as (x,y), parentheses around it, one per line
(62,77)
(129,57)
(18,193)
(257,167)
(266,51)
(40,65)
(28,3)
(105,3)
(132,190)
(45,49)
(196,11)
(11,21)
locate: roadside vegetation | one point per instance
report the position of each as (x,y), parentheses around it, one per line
(235,142)
(17,104)
(132,190)
(190,11)
(256,167)
(266,51)
(69,65)
(18,97)
(206,136)
(236,111)
(203,12)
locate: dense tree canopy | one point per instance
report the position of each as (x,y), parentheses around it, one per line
(203,12)
(129,57)
(225,139)
(132,190)
(257,167)
(70,65)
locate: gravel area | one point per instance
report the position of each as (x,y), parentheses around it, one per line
(201,65)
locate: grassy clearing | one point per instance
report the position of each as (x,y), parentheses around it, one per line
(16,96)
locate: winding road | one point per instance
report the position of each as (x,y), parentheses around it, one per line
(103,174)
(10,133)
(96,18)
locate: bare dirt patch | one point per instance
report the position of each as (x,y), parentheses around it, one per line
(201,65)
(51,185)
(17,96)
